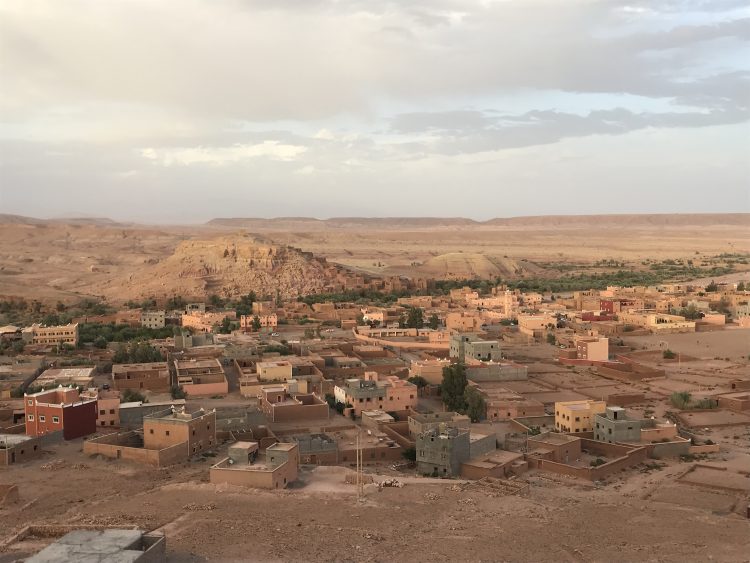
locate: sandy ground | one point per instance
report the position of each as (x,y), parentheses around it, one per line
(631,518)
(65,261)
(732,343)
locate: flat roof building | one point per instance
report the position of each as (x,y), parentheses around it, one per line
(105,546)
(153,376)
(201,377)
(60,410)
(243,467)
(577,416)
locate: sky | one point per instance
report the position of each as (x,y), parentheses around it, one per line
(182,111)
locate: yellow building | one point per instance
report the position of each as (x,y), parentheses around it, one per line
(280,370)
(54,335)
(657,322)
(577,416)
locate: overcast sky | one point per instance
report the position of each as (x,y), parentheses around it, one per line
(183,111)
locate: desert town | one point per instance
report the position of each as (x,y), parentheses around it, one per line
(125,427)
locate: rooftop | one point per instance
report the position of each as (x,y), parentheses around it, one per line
(193,363)
(67,372)
(149,365)
(177,414)
(554,438)
(13,439)
(113,546)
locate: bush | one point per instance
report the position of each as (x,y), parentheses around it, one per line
(410,454)
(669,355)
(597,462)
(132,396)
(681,400)
(178,392)
(706,404)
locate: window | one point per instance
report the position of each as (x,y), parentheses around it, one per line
(31,402)
(166,433)
(103,423)
(111,422)
(55,420)
(151,431)
(42,418)
(578,419)
(111,411)
(102,411)
(31,418)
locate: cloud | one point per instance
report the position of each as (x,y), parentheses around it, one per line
(219,156)
(316,96)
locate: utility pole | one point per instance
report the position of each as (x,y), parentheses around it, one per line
(360,476)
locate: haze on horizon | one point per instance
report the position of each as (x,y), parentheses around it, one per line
(181,111)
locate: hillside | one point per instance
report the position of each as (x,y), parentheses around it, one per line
(308,224)
(462,265)
(232,266)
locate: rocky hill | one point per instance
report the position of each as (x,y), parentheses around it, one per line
(231,266)
(463,265)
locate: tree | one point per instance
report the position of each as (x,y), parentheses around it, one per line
(131,396)
(551,338)
(256,323)
(100,342)
(419,381)
(681,399)
(712,287)
(178,392)
(691,312)
(18,346)
(723,306)
(225,327)
(668,355)
(175,303)
(138,352)
(401,321)
(476,407)
(410,454)
(741,286)
(415,318)
(309,333)
(453,386)
(434,322)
